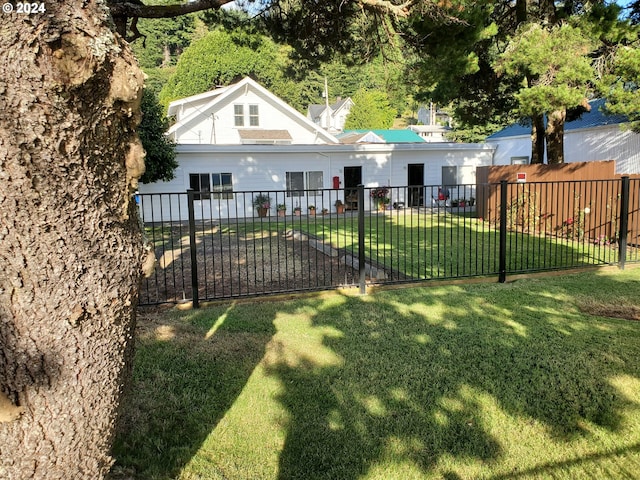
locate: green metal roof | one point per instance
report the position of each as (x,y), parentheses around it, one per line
(390,136)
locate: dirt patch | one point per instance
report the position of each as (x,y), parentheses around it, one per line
(235,263)
(626,312)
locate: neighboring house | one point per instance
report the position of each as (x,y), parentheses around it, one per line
(331,117)
(244,113)
(431,133)
(245,155)
(593,136)
(432,125)
(380,136)
(432,116)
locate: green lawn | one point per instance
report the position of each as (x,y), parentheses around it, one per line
(419,245)
(530,379)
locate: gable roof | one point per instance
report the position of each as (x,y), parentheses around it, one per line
(596,117)
(380,136)
(175,105)
(315,110)
(219,95)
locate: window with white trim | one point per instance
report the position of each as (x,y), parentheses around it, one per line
(295,184)
(299,182)
(200,182)
(254,117)
(238,115)
(222,185)
(315,182)
(211,185)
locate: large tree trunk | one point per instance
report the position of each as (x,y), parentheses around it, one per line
(70,241)
(537,139)
(555,136)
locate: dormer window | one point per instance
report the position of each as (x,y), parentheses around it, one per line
(254,118)
(238,114)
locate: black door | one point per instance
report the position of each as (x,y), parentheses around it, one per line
(416,184)
(352,178)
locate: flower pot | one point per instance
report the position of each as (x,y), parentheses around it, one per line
(297,212)
(339,208)
(262,212)
(312,211)
(282,213)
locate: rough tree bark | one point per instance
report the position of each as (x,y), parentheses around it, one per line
(70,244)
(555,136)
(537,139)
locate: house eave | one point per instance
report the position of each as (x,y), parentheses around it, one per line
(337,148)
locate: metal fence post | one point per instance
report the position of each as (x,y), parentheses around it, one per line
(624,221)
(192,249)
(502,269)
(361,255)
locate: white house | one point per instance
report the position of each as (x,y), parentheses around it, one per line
(244,113)
(593,136)
(242,138)
(331,117)
(431,133)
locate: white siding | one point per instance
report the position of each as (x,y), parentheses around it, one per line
(211,119)
(264,168)
(589,144)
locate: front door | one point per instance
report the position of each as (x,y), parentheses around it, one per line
(352,178)
(416,184)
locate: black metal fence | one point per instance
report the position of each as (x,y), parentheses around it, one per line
(216,245)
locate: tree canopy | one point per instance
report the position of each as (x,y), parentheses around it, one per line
(623,83)
(160,160)
(371,110)
(504,61)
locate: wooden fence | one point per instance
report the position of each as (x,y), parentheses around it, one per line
(576,200)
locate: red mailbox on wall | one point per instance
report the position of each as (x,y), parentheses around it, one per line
(336,182)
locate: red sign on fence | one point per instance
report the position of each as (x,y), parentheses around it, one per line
(521,177)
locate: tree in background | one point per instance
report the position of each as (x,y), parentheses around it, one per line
(160,159)
(619,66)
(555,65)
(469,69)
(459,72)
(371,110)
(621,86)
(221,58)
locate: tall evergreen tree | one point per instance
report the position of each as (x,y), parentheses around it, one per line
(558,73)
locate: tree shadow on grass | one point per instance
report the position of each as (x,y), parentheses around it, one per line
(419,371)
(184,383)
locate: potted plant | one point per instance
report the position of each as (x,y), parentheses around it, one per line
(262,203)
(312,209)
(472,201)
(325,211)
(297,211)
(282,209)
(462,202)
(380,197)
(339,206)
